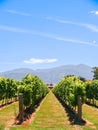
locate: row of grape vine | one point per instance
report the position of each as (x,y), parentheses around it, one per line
(32,87)
(70,87)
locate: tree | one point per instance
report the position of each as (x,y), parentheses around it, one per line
(82,78)
(95,71)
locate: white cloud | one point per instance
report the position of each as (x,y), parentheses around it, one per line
(91,27)
(94,42)
(95,12)
(32,32)
(76,41)
(18,13)
(13,29)
(39,61)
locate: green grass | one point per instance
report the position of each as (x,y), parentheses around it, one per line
(9,112)
(91,114)
(50,116)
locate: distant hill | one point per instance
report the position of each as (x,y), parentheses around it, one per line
(52,75)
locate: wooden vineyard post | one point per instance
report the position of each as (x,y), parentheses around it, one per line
(21,110)
(79,108)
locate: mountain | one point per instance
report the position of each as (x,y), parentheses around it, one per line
(52,75)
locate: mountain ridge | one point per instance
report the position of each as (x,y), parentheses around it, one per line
(51,75)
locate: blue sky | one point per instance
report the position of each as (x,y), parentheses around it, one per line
(40,34)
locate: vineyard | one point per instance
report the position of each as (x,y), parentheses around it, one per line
(8,90)
(70,87)
(34,90)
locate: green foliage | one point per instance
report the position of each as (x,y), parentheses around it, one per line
(2,87)
(95,71)
(33,89)
(8,89)
(92,89)
(11,88)
(69,88)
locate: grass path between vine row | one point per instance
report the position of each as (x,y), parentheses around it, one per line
(52,116)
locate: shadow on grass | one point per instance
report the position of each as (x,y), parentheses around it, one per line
(72,115)
(28,112)
(91,104)
(6,104)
